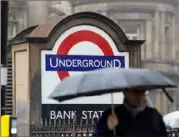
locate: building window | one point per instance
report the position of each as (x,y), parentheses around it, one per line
(12,30)
(131,30)
(135,30)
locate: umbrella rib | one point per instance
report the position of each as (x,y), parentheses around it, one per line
(166,93)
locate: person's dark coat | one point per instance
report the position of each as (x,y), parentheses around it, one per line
(147,123)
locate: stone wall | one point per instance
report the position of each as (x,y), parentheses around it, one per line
(38,12)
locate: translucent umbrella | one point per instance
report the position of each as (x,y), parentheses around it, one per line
(172,119)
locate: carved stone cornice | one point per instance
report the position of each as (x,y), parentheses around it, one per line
(131,16)
(15,13)
(18,4)
(142,6)
(86,2)
(122,9)
(126,6)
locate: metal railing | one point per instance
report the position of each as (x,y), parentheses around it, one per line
(62,129)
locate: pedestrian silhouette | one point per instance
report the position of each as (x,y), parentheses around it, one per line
(132,118)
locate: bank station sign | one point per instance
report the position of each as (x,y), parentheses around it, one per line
(78,50)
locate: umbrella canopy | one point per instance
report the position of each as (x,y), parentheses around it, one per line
(109,80)
(172,119)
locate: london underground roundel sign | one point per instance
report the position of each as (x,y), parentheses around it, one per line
(79,49)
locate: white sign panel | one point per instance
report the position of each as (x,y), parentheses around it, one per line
(78,50)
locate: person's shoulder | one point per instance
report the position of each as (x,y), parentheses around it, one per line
(154,111)
(158,122)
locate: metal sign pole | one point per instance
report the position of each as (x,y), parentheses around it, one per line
(4,35)
(4,26)
(113,112)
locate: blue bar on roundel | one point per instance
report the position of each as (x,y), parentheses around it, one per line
(82,62)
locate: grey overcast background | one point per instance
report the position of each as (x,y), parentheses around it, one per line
(156,21)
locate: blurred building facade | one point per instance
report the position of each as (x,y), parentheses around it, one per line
(156,21)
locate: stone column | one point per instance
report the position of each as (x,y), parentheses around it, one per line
(149,44)
(21,21)
(162,45)
(172,106)
(25,19)
(164,104)
(143,37)
(72,7)
(156,34)
(38,12)
(26,15)
(177,33)
(158,100)
(173,45)
(105,9)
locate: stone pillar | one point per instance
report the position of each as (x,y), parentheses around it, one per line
(38,12)
(158,100)
(149,45)
(72,8)
(105,9)
(172,106)
(21,21)
(156,34)
(162,45)
(143,33)
(177,33)
(26,16)
(134,56)
(173,45)
(164,104)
